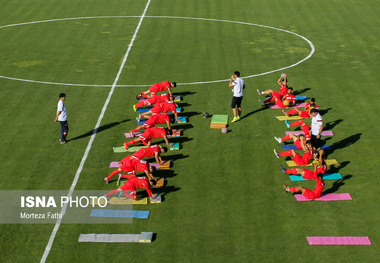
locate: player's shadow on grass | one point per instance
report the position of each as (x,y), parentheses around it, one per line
(184,93)
(176,157)
(183,127)
(100,129)
(335,169)
(298,92)
(166,190)
(183,104)
(189,114)
(164,174)
(337,184)
(345,142)
(330,125)
(253,112)
(323,112)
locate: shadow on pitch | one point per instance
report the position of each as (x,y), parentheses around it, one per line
(323,112)
(185,93)
(176,157)
(166,190)
(189,114)
(298,92)
(100,129)
(337,184)
(164,173)
(255,111)
(345,142)
(330,125)
(337,168)
(183,127)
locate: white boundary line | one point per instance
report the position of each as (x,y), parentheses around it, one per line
(58,223)
(169,17)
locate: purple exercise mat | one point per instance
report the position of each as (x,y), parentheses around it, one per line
(326,197)
(296,133)
(342,240)
(274,106)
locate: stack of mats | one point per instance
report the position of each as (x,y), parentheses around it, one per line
(219,121)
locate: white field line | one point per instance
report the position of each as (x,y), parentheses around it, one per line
(58,223)
(167,17)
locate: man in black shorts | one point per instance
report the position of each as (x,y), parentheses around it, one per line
(238,85)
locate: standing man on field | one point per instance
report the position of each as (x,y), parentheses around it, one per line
(62,117)
(238,85)
(316,127)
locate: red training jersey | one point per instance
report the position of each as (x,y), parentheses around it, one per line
(137,183)
(160,86)
(147,152)
(153,133)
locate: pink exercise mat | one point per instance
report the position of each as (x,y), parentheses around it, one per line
(341,240)
(326,197)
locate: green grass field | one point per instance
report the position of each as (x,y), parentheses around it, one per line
(224,200)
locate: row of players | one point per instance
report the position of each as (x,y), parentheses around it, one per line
(132,164)
(309,142)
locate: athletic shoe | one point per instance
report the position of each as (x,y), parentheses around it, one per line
(105,179)
(138,97)
(238,118)
(285,113)
(126,146)
(287,123)
(106,197)
(131,134)
(283,169)
(134,108)
(262,102)
(138,118)
(63,142)
(260,92)
(276,153)
(286,188)
(235,119)
(278,139)
(121,193)
(118,180)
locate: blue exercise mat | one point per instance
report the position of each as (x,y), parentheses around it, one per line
(327,176)
(293,147)
(119,213)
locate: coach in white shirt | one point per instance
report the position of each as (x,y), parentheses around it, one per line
(316,127)
(62,117)
(238,85)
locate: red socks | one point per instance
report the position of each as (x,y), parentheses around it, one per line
(134,130)
(292,111)
(113,174)
(138,105)
(128,176)
(286,153)
(114,191)
(293,189)
(297,123)
(286,138)
(292,171)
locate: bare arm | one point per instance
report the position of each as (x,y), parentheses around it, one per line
(58,113)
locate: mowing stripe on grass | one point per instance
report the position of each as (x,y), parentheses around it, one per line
(58,223)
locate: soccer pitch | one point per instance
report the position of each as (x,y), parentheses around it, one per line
(224,199)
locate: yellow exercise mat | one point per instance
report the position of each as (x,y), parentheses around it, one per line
(328,162)
(289,118)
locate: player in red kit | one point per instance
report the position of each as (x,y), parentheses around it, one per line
(319,168)
(283,82)
(128,189)
(279,101)
(157,87)
(153,120)
(316,193)
(305,128)
(303,113)
(299,142)
(153,150)
(129,166)
(149,134)
(153,100)
(304,160)
(163,107)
